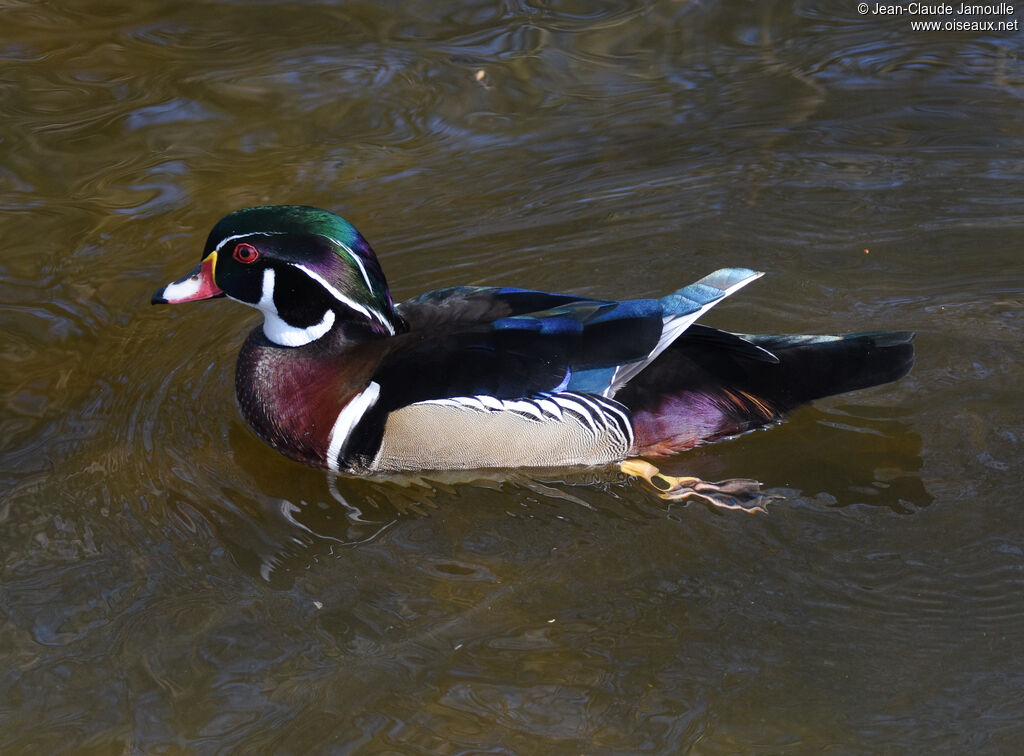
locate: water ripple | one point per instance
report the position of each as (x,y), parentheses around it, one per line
(171,582)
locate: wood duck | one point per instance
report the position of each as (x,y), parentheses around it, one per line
(338,376)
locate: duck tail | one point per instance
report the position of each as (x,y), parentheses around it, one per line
(711,384)
(813,367)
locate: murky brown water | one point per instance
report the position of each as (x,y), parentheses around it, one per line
(171,585)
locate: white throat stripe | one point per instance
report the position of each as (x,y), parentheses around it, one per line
(277,330)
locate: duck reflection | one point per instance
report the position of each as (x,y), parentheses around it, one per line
(289,517)
(841,456)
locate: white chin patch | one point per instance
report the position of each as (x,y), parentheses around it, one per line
(280,332)
(275,329)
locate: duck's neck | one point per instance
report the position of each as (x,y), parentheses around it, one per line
(305,401)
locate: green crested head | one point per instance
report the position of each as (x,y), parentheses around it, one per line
(319,239)
(296,220)
(307,269)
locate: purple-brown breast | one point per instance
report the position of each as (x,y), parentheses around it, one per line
(291,397)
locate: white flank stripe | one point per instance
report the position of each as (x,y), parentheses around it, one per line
(550,407)
(526,407)
(349,416)
(599,408)
(280,332)
(596,413)
(580,409)
(490,402)
(347,301)
(626,422)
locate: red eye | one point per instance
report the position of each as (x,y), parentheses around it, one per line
(246,253)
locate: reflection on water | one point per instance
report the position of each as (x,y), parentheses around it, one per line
(853,460)
(168,582)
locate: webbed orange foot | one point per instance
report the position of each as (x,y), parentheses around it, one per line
(735,493)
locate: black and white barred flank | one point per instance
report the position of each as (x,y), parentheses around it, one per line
(598,414)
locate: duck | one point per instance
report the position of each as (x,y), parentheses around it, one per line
(341,377)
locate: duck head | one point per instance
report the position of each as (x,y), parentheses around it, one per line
(308,270)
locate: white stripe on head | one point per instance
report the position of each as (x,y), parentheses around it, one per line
(227,239)
(369,313)
(349,416)
(347,249)
(277,330)
(355,259)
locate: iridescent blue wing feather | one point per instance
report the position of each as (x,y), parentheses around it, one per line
(461,305)
(680,310)
(493,342)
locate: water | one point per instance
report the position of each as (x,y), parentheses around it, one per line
(170,584)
